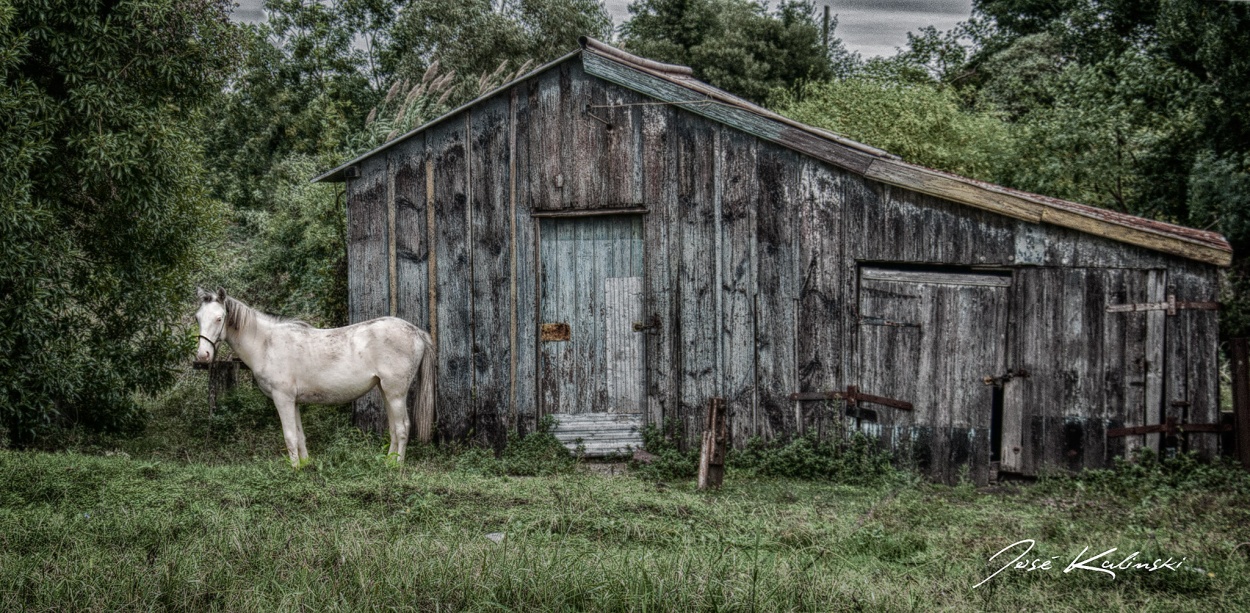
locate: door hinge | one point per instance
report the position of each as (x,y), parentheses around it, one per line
(1005,377)
(1171,306)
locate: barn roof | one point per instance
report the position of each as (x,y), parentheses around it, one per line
(677,85)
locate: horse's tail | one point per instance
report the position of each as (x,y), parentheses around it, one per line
(424,408)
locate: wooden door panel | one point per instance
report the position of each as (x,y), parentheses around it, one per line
(930,338)
(591,280)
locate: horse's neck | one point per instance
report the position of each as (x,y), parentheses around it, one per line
(249,342)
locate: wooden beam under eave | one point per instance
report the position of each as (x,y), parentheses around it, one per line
(935,184)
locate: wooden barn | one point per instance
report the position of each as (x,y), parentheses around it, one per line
(611,241)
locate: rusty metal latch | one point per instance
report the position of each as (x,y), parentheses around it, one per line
(1003,378)
(852,396)
(650,324)
(1171,306)
(549,333)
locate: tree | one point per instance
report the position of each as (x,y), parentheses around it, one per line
(101,205)
(471,38)
(924,123)
(738,45)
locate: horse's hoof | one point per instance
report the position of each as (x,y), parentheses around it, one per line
(301,464)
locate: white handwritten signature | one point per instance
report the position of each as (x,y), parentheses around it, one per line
(1109,566)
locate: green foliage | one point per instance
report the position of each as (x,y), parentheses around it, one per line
(924,123)
(670,463)
(101,205)
(859,460)
(1149,477)
(537,454)
(471,38)
(295,263)
(738,45)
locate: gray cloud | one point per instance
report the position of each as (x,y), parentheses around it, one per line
(871,27)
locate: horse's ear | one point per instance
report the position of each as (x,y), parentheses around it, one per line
(202,295)
(221,294)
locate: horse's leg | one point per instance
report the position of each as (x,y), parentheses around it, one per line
(303,442)
(396,398)
(289,416)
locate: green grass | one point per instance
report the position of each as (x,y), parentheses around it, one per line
(227,525)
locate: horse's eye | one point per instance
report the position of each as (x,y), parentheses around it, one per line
(219,318)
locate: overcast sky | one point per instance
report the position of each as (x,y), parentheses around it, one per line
(871,27)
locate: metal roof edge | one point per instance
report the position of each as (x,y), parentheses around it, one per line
(334,175)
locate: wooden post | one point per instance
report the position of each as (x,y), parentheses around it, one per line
(223,376)
(1241,399)
(715,438)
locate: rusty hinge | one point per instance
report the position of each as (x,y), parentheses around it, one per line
(868,320)
(1171,306)
(1003,378)
(650,324)
(853,396)
(1168,428)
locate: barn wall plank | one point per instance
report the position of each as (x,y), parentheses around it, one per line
(820,297)
(657,149)
(411,245)
(368,268)
(776,271)
(739,207)
(448,151)
(1191,392)
(525,273)
(489,164)
(699,335)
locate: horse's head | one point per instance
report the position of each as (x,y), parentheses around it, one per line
(212,319)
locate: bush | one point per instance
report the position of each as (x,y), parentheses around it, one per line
(858,460)
(670,462)
(1149,475)
(536,454)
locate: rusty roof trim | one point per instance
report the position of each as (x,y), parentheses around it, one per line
(602,48)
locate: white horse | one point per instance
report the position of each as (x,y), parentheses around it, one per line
(293,362)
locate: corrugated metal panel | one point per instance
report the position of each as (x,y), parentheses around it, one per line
(599,434)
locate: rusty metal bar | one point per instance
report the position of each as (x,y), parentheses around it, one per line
(1241,399)
(1167,428)
(1171,306)
(853,396)
(816,396)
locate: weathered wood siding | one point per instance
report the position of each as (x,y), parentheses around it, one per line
(751,264)
(368,278)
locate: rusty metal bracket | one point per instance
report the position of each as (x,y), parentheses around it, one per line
(1003,378)
(869,320)
(852,396)
(605,122)
(648,325)
(1169,427)
(1171,306)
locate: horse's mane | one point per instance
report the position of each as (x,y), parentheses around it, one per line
(240,317)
